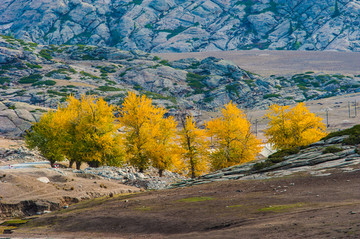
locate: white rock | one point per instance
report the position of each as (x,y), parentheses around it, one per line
(43,179)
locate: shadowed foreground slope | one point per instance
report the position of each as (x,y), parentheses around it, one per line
(298,206)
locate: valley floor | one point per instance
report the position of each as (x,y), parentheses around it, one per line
(268,63)
(299,206)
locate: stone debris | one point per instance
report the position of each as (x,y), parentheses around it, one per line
(130,176)
(43,179)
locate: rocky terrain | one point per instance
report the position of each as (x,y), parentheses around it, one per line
(29,186)
(316,159)
(186,26)
(46,75)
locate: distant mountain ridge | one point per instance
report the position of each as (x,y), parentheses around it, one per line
(186,26)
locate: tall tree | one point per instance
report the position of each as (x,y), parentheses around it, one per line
(162,150)
(195,147)
(82,130)
(293,127)
(138,116)
(231,135)
(91,132)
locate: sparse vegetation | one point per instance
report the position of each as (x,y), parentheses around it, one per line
(332,149)
(196,199)
(30,79)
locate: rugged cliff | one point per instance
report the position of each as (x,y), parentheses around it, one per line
(184,26)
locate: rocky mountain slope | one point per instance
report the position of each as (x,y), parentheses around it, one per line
(46,75)
(185,26)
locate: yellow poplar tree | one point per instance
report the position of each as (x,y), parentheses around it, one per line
(162,150)
(195,147)
(293,127)
(231,135)
(47,136)
(91,132)
(137,116)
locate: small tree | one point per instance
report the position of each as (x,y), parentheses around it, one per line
(293,127)
(46,136)
(231,134)
(195,147)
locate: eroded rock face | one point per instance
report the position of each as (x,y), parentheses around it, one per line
(184,26)
(16,118)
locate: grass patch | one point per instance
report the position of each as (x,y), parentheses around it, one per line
(281,208)
(234,206)
(14,222)
(143,208)
(196,199)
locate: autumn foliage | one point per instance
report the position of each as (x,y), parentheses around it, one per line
(149,136)
(231,135)
(82,130)
(87,130)
(293,127)
(195,145)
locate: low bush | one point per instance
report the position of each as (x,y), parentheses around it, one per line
(332,149)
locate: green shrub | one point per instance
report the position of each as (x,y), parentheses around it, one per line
(195,82)
(271,96)
(46,82)
(89,75)
(332,149)
(33,66)
(45,53)
(355,130)
(3,80)
(275,158)
(108,88)
(30,79)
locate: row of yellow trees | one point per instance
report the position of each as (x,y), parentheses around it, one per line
(87,130)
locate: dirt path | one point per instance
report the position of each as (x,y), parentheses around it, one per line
(293,207)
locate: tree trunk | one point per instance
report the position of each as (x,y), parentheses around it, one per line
(192,172)
(161,172)
(71,163)
(78,165)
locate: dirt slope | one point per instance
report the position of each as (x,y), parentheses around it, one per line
(292,207)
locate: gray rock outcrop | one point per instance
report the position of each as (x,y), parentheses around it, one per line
(313,160)
(185,26)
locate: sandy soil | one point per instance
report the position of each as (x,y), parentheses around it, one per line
(267,63)
(22,184)
(10,143)
(292,207)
